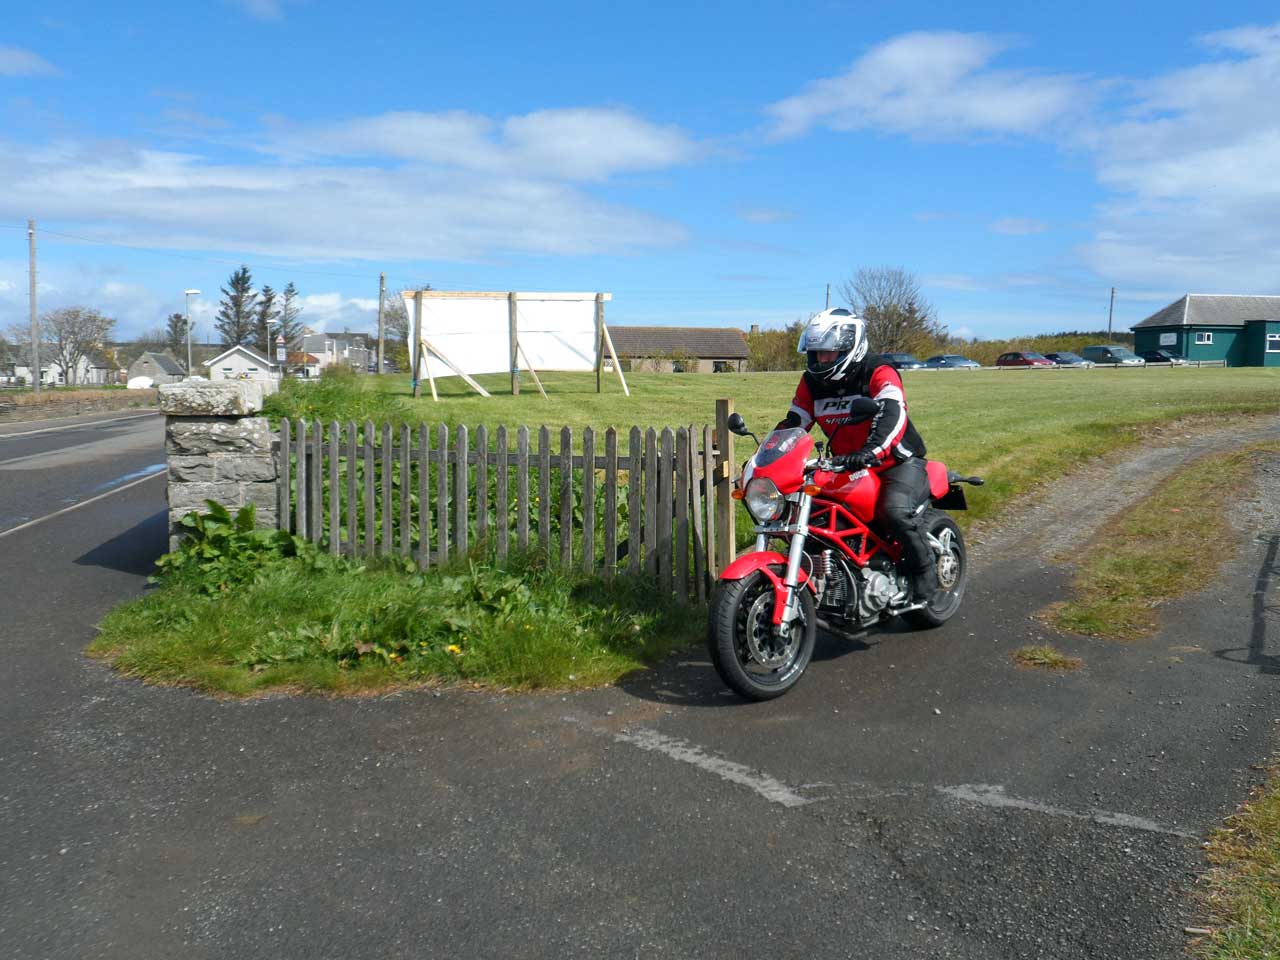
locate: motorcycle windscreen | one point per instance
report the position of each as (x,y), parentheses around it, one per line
(778,444)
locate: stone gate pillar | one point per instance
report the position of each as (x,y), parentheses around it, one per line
(218,449)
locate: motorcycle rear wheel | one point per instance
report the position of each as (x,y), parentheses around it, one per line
(750,659)
(953,573)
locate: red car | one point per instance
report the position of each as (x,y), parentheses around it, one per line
(1023,358)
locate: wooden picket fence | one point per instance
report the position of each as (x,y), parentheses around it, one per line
(429,495)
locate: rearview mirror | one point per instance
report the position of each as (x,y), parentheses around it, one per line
(737,425)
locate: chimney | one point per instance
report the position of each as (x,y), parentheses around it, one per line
(755,330)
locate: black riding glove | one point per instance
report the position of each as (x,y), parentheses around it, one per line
(857,461)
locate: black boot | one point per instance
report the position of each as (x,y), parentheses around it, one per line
(925,585)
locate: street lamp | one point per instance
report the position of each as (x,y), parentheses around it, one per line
(189,294)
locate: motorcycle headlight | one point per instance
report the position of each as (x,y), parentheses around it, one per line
(763,500)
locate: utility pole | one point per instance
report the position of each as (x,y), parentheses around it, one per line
(382,295)
(828,296)
(35,328)
(1111,311)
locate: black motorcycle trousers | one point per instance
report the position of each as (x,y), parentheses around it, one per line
(903,489)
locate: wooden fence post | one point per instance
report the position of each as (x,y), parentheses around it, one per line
(522,489)
(406,488)
(315,472)
(724,486)
(651,502)
(566,497)
(482,483)
(388,532)
(682,516)
(370,501)
(442,494)
(635,488)
(284,479)
(696,495)
(610,503)
(501,508)
(424,497)
(353,502)
(300,483)
(335,490)
(588,501)
(709,500)
(461,493)
(544,490)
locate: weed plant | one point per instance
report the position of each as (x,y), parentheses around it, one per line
(238,610)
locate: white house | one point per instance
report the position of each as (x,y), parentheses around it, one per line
(91,371)
(241,363)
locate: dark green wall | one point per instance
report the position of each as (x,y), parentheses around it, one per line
(1229,343)
(1255,343)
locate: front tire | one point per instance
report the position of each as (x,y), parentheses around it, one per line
(750,658)
(953,572)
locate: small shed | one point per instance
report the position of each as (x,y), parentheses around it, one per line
(681,349)
(241,363)
(159,367)
(1242,330)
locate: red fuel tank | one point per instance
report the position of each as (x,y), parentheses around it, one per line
(856,491)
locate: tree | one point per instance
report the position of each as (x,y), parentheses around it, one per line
(236,312)
(71,334)
(290,326)
(175,337)
(265,317)
(899,318)
(776,349)
(396,325)
(155,340)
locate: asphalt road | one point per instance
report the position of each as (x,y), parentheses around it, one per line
(916,796)
(49,465)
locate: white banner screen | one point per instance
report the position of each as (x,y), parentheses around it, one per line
(557,331)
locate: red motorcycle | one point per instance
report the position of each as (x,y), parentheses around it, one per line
(838,570)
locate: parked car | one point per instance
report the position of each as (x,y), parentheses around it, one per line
(1163,356)
(1116,356)
(901,361)
(1065,358)
(1023,358)
(951,361)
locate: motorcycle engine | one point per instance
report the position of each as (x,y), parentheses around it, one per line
(878,591)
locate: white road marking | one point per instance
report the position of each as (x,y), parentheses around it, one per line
(990,795)
(766,786)
(77,506)
(73,426)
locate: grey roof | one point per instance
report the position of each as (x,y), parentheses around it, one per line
(1213,310)
(253,354)
(162,360)
(708,343)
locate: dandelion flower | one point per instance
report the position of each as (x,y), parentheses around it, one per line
(454,649)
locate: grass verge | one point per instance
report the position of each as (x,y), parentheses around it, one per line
(1160,549)
(1243,888)
(241,612)
(1046,657)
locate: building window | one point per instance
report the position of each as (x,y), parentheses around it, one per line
(1273,343)
(227,370)
(1204,336)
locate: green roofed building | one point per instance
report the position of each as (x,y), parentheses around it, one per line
(1243,331)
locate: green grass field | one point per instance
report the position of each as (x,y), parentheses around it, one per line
(1012,427)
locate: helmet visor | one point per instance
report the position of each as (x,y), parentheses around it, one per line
(839,337)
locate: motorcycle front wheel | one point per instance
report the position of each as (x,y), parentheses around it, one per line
(749,656)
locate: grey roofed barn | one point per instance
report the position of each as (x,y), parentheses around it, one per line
(705,343)
(1213,310)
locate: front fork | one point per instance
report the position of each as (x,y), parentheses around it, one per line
(791,609)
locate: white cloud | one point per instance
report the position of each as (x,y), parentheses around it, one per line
(1193,165)
(16,62)
(765,215)
(411,195)
(586,143)
(262,9)
(1017,226)
(931,85)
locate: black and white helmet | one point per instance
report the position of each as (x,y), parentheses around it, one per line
(834,331)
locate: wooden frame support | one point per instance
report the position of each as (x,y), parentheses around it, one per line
(599,338)
(613,354)
(533,372)
(513,336)
(455,368)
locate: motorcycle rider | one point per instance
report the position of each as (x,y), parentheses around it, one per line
(838,371)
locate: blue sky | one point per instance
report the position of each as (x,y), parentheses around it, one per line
(709,166)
